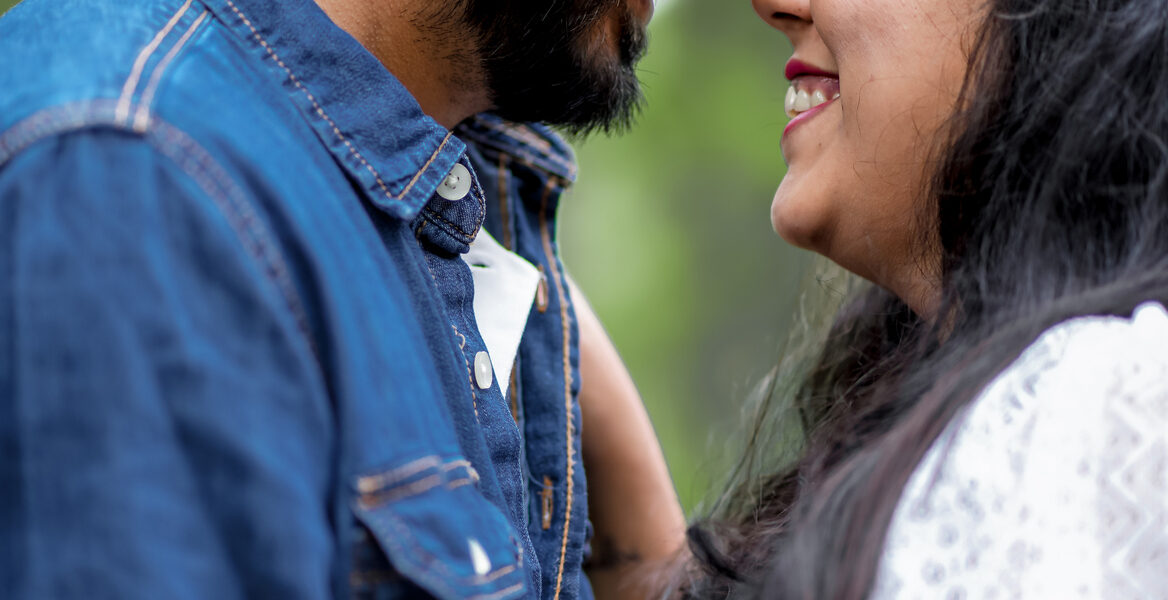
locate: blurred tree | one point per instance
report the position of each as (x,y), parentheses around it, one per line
(668,230)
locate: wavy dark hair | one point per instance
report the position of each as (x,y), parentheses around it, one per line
(1049,201)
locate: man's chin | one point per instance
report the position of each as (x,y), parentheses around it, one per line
(585,79)
(610,110)
(601,96)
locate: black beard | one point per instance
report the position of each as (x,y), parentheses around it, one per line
(547,61)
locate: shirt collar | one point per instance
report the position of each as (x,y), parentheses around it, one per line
(366,118)
(532,143)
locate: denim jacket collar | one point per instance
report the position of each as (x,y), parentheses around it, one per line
(533,143)
(372,125)
(366,118)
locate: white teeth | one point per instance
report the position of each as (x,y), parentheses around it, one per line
(798,101)
(802,101)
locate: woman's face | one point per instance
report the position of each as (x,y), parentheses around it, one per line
(872,82)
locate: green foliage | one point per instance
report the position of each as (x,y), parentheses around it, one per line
(7,4)
(668,231)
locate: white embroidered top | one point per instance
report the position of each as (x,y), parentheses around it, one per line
(1054,483)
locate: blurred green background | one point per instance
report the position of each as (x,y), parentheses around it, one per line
(668,230)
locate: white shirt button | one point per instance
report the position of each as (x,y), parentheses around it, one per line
(456,185)
(484,373)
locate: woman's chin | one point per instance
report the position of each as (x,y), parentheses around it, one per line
(799,220)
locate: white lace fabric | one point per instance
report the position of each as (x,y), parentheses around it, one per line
(1054,483)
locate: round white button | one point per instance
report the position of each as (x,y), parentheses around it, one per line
(484,372)
(456,185)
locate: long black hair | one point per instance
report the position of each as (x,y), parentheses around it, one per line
(1049,201)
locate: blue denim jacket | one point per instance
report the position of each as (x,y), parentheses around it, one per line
(236,336)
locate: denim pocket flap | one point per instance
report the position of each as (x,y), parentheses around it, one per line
(441,534)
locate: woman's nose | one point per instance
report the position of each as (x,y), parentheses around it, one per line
(785,15)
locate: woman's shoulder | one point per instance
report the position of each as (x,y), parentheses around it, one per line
(1054,482)
(1116,354)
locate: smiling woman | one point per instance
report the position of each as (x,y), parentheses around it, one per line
(978,415)
(872,83)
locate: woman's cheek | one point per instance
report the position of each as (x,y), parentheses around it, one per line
(853,31)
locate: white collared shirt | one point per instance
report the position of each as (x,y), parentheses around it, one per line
(505,285)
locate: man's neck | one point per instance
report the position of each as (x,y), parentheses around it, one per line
(425,47)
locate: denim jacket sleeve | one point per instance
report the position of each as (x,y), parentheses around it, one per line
(162,420)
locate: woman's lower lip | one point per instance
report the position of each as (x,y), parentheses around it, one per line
(803,116)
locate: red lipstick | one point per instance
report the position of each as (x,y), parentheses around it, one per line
(796,67)
(809,78)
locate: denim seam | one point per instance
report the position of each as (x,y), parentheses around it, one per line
(469,374)
(142,117)
(454,485)
(504,204)
(458,233)
(131,84)
(57,120)
(296,81)
(528,158)
(372,483)
(195,162)
(240,213)
(417,488)
(466,237)
(525,137)
(382,489)
(461,344)
(368,484)
(379,490)
(566,334)
(401,532)
(503,593)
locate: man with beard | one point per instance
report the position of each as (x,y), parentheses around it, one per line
(282,313)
